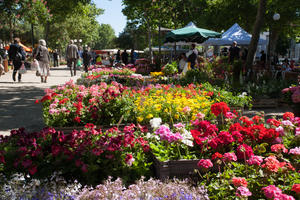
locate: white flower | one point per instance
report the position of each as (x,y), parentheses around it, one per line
(155,122)
(187,138)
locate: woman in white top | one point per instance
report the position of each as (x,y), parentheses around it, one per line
(182,62)
(43,56)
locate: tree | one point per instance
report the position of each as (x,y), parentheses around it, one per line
(261,11)
(106,37)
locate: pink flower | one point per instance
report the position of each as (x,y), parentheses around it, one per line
(272,191)
(238,181)
(255,160)
(285,197)
(228,157)
(206,163)
(278,148)
(280,130)
(243,192)
(230,115)
(186,109)
(26,163)
(297,132)
(295,151)
(200,115)
(271,164)
(129,159)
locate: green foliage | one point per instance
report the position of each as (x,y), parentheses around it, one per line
(106,37)
(170,68)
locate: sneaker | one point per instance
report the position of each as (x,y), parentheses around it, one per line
(19,80)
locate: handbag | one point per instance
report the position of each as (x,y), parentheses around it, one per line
(34,65)
(22,69)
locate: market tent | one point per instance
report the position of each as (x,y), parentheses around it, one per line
(27,49)
(234,33)
(190,34)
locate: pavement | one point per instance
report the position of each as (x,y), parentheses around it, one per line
(17,100)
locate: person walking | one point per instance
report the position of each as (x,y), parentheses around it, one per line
(72,56)
(87,57)
(234,52)
(17,55)
(118,56)
(124,57)
(43,56)
(55,58)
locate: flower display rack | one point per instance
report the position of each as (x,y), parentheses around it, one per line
(174,168)
(265,103)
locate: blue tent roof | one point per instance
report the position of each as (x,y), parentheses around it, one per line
(234,33)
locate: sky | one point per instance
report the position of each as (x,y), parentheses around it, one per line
(112,14)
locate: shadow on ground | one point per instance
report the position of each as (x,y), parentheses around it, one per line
(18,108)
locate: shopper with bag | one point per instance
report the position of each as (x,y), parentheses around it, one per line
(17,55)
(43,57)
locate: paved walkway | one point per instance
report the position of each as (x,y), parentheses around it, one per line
(17,100)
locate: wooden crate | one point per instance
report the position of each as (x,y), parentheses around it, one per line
(175,168)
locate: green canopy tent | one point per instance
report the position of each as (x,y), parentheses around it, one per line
(190,34)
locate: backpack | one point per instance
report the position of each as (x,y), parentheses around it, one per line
(18,56)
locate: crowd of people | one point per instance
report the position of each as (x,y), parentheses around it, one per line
(41,58)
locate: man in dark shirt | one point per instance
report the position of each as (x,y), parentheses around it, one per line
(124,57)
(55,58)
(87,57)
(17,55)
(234,52)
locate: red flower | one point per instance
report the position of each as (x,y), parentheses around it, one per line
(274,122)
(2,160)
(216,155)
(244,151)
(55,150)
(46,98)
(77,119)
(84,168)
(32,170)
(26,163)
(238,181)
(219,108)
(36,101)
(288,116)
(296,188)
(256,119)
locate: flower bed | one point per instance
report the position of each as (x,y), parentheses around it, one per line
(88,156)
(249,157)
(261,154)
(96,75)
(103,104)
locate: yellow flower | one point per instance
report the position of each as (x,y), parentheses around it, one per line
(149,116)
(176,116)
(139,119)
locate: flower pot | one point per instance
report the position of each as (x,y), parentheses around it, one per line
(174,168)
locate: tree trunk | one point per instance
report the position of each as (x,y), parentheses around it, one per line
(32,36)
(261,11)
(47,32)
(150,43)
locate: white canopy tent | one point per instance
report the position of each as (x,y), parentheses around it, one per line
(234,33)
